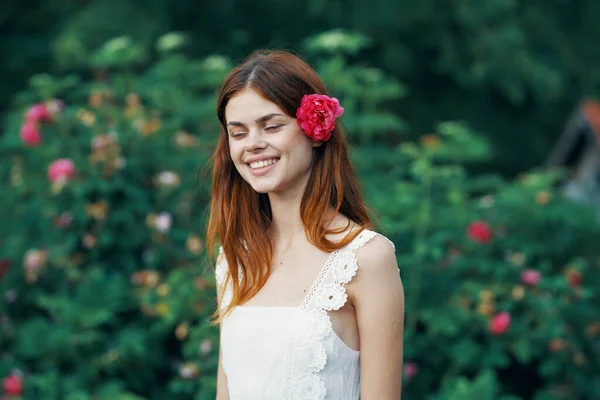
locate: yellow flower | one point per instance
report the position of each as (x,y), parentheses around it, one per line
(194,244)
(543,198)
(97,210)
(518,292)
(184,139)
(162,309)
(95,100)
(181,331)
(486,296)
(162,290)
(86,117)
(152,279)
(132,100)
(148,126)
(486,309)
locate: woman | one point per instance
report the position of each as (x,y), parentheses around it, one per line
(316,308)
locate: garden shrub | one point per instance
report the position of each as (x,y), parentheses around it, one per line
(107,292)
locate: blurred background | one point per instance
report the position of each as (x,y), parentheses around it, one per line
(475,131)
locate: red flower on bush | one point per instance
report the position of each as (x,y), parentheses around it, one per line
(13,385)
(30,133)
(479,232)
(531,277)
(61,169)
(317,114)
(500,323)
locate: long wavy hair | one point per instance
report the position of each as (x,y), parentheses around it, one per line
(239,216)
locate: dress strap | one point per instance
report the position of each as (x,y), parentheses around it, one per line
(328,291)
(305,354)
(223,284)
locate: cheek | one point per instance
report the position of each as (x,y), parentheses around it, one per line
(235,151)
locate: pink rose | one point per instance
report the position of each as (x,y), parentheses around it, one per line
(38,113)
(30,133)
(500,323)
(531,277)
(479,232)
(317,114)
(62,168)
(13,385)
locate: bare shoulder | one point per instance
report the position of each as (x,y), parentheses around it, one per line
(377,254)
(377,271)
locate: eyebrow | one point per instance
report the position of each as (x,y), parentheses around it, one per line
(261,120)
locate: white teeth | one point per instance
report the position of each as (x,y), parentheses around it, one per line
(262,164)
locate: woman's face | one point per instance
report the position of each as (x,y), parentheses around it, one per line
(268,148)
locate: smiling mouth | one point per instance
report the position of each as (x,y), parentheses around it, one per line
(263,163)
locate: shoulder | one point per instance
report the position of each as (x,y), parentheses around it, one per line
(377,270)
(377,255)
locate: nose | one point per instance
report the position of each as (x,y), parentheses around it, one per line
(254,141)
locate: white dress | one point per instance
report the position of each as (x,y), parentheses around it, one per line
(292,353)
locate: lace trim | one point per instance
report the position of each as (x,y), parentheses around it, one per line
(305,354)
(221,272)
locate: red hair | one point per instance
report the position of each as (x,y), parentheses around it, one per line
(240,217)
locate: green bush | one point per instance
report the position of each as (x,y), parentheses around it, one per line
(107,291)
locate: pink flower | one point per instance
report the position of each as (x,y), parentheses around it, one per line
(500,323)
(531,277)
(30,133)
(13,385)
(479,232)
(61,169)
(38,113)
(316,115)
(411,369)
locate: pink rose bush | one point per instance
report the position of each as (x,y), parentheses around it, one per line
(62,169)
(499,323)
(37,114)
(317,114)
(30,134)
(479,232)
(531,277)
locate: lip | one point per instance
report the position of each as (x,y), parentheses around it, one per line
(262,158)
(263,170)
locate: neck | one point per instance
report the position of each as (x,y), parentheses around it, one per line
(286,224)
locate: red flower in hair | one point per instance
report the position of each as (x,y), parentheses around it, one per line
(317,114)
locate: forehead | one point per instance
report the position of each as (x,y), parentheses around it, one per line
(247,106)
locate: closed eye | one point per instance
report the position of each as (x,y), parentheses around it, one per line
(273,128)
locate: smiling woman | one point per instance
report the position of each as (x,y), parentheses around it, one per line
(311,304)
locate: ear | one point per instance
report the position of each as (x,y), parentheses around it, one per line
(317,143)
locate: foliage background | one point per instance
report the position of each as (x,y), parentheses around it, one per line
(451,106)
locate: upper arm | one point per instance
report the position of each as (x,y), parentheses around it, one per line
(378,297)
(222,387)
